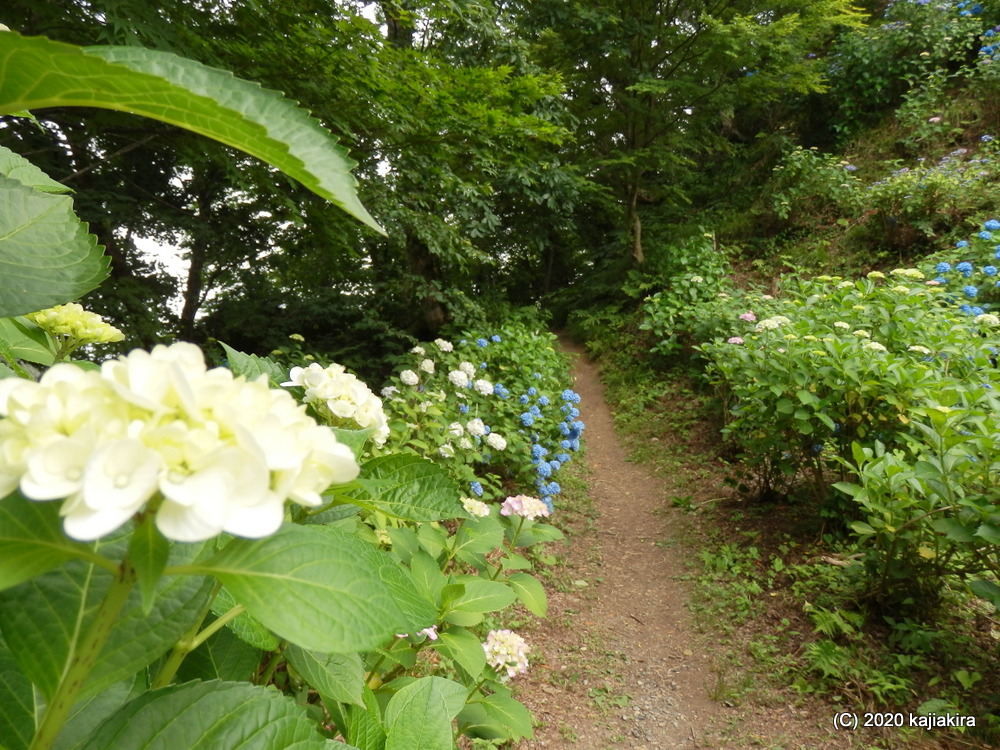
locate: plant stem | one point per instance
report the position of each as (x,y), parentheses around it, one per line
(188,642)
(85,655)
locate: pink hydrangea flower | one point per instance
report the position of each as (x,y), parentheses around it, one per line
(749,317)
(734,340)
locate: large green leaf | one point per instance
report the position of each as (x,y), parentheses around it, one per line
(47,257)
(252,367)
(313,586)
(36,73)
(43,618)
(337,677)
(18,168)
(419,716)
(27,340)
(510,714)
(366,731)
(209,716)
(32,541)
(17,703)
(465,649)
(408,487)
(89,714)
(245,626)
(224,656)
(530,591)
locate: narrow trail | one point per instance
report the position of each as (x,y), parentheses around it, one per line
(620,657)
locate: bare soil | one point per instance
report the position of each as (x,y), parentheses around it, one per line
(620,660)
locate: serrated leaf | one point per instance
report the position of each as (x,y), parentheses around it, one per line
(16,167)
(47,257)
(27,341)
(210,715)
(464,648)
(17,703)
(36,73)
(32,541)
(408,487)
(483,596)
(43,618)
(338,677)
(148,550)
(510,714)
(419,716)
(530,591)
(224,656)
(89,714)
(252,367)
(313,586)
(244,626)
(366,731)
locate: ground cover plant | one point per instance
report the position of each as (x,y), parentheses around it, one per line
(226,530)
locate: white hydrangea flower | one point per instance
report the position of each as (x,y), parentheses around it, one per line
(222,453)
(409,377)
(456,429)
(389,391)
(525,506)
(484,387)
(468,368)
(507,653)
(918,349)
(496,442)
(771,324)
(476,427)
(842,325)
(874,346)
(465,444)
(339,396)
(987,319)
(447,450)
(458,379)
(427,366)
(862,334)
(475,507)
(418,350)
(445,346)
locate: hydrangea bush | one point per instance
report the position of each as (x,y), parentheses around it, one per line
(879,380)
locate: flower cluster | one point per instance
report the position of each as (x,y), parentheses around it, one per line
(506,652)
(206,451)
(339,397)
(72,326)
(524,506)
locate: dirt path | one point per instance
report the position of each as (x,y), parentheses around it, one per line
(620,659)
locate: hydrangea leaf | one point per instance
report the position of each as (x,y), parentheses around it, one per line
(337,677)
(27,341)
(224,656)
(42,618)
(418,717)
(252,367)
(316,587)
(509,714)
(210,715)
(36,73)
(47,256)
(408,487)
(461,646)
(32,541)
(17,703)
(530,591)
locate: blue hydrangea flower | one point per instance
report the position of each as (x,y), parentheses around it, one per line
(564,429)
(967,309)
(984,235)
(564,444)
(574,412)
(965,268)
(574,444)
(941,280)
(532,391)
(977,310)
(990,270)
(548,502)
(970,291)
(553,488)
(495,339)
(464,408)
(499,390)
(535,410)
(523,398)
(992,225)
(997,253)
(537,375)
(482,365)
(482,343)
(962,243)
(562,457)
(476,488)
(537,451)
(543,400)
(942,267)
(527,419)
(544,470)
